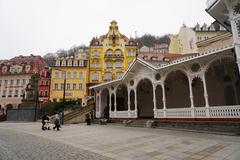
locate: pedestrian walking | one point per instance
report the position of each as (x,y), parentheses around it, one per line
(57,122)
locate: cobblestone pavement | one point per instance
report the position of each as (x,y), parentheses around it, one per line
(22,146)
(127,143)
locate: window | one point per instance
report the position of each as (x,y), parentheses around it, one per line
(118,53)
(95,64)
(63,74)
(108,76)
(10,93)
(75,63)
(95,53)
(23,81)
(109,53)
(62,86)
(119,75)
(109,64)
(55,86)
(118,64)
(81,63)
(4,93)
(46,83)
(41,93)
(68,74)
(11,82)
(22,93)
(74,74)
(81,75)
(95,76)
(56,74)
(16,93)
(68,86)
(0,82)
(46,93)
(74,86)
(6,82)
(132,53)
(80,86)
(18,82)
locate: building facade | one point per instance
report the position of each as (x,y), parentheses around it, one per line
(110,55)
(14,77)
(205,86)
(44,84)
(74,71)
(185,41)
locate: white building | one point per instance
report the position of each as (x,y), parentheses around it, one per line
(205,86)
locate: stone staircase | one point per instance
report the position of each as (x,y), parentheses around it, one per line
(78,115)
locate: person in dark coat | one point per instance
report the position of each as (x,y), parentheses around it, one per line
(44,117)
(88,120)
(57,122)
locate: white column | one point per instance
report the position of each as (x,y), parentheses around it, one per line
(205,95)
(110,103)
(115,103)
(191,96)
(154,101)
(100,105)
(164,101)
(129,102)
(135,102)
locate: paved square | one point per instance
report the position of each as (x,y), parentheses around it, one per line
(125,143)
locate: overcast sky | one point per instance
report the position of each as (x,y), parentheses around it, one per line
(43,26)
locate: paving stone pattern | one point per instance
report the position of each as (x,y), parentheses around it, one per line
(22,146)
(119,142)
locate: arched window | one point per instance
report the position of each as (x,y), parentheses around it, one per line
(109,53)
(118,53)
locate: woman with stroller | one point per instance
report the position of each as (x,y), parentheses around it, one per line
(45,120)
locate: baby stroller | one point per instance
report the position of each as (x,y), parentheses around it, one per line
(47,125)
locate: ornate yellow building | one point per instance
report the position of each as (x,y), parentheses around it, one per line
(75,70)
(110,55)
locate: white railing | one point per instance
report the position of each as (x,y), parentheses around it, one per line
(225,112)
(179,113)
(132,114)
(159,113)
(200,112)
(119,114)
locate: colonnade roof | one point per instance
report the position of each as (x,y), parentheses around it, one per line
(163,66)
